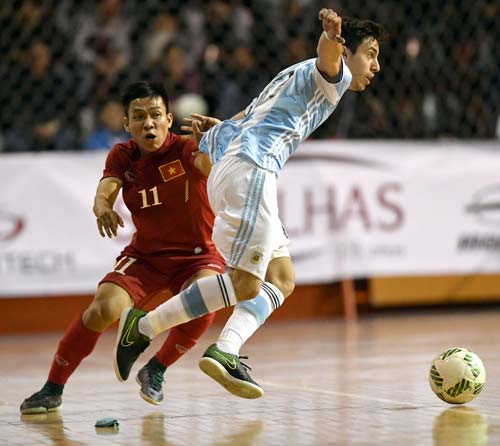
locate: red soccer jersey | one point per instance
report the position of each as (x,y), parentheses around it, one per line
(166,196)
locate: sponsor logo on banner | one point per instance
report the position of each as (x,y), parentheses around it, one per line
(483,242)
(39,262)
(352,209)
(343,159)
(484,206)
(334,213)
(11,226)
(341,214)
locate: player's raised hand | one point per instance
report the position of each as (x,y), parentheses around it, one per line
(107,223)
(332,25)
(198,125)
(204,122)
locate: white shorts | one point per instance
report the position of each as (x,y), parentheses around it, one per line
(247,228)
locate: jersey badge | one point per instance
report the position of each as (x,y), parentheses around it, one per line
(257,256)
(171,170)
(130,176)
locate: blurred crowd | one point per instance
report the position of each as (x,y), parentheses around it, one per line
(63,64)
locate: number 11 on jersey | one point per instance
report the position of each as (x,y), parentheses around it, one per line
(144,195)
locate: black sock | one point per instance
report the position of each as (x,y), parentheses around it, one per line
(53,387)
(156,365)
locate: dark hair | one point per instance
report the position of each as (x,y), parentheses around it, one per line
(143,89)
(355,31)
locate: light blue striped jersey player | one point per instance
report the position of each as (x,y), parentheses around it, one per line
(296,102)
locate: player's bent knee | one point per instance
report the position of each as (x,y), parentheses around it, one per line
(246,285)
(284,284)
(98,317)
(248,292)
(93,320)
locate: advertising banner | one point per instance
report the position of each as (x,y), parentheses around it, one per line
(351,209)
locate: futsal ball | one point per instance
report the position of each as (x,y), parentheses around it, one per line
(457,375)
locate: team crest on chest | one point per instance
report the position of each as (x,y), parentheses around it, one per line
(130,176)
(171,170)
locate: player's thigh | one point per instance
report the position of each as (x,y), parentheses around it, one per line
(246,285)
(139,278)
(198,275)
(281,274)
(247,226)
(106,308)
(131,282)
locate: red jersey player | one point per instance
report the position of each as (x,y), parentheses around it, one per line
(163,182)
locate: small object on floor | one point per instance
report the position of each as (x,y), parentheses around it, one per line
(107,422)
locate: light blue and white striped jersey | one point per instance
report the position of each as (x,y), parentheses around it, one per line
(296,102)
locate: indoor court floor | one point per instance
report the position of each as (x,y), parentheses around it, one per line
(326,382)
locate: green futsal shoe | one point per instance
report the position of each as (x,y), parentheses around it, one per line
(230,372)
(130,343)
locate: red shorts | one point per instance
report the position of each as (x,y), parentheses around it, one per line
(143,277)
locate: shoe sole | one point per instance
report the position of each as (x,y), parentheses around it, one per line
(123,318)
(144,396)
(40,410)
(235,386)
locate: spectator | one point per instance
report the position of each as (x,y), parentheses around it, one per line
(174,71)
(163,33)
(103,47)
(241,82)
(110,130)
(41,120)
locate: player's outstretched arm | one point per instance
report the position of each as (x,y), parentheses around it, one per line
(330,44)
(198,125)
(105,197)
(202,162)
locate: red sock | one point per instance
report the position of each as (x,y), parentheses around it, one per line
(182,338)
(77,343)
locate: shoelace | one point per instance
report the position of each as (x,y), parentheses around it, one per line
(156,379)
(243,364)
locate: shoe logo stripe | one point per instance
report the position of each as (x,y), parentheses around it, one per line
(125,341)
(231,363)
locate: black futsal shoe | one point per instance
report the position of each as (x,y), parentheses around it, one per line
(48,399)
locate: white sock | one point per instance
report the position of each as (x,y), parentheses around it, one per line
(247,317)
(202,297)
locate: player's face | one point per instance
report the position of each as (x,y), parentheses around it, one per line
(363,63)
(148,122)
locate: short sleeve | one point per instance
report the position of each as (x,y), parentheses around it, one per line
(250,107)
(188,147)
(117,162)
(333,91)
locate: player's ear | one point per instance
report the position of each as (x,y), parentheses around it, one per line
(125,124)
(170,119)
